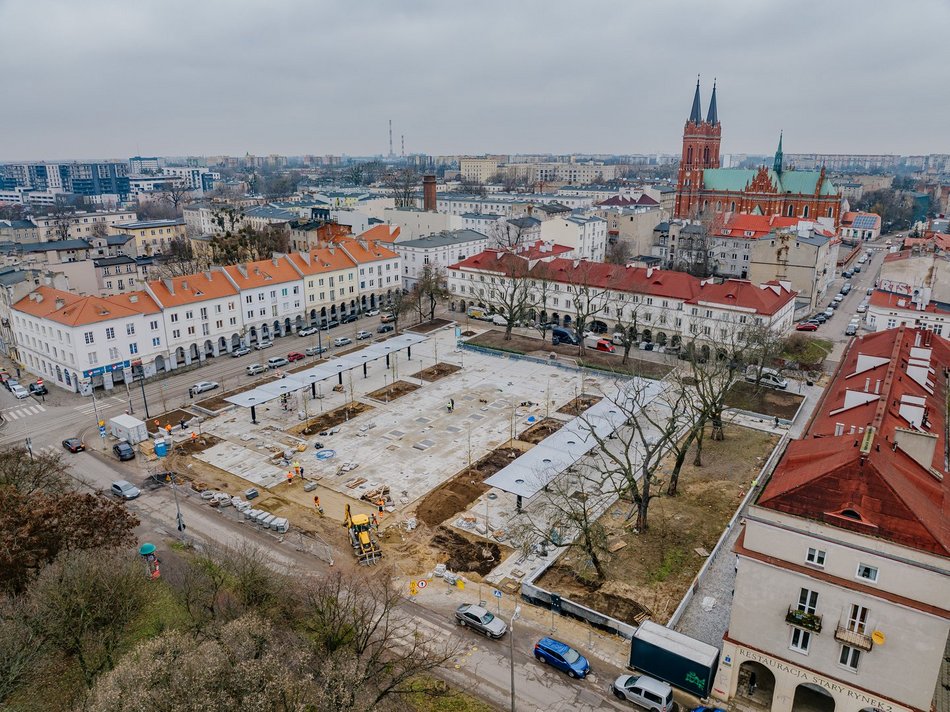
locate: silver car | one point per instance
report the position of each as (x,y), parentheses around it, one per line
(650,694)
(468,615)
(125,490)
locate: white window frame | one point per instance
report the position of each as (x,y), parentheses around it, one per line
(869,579)
(816,557)
(804,636)
(853,658)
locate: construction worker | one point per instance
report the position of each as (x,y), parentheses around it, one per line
(290,478)
(380,504)
(316,503)
(375,522)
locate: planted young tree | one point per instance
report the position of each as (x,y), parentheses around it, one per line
(432,287)
(626,314)
(401,306)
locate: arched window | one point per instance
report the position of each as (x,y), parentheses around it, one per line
(790,211)
(831,212)
(706,156)
(805,212)
(718,206)
(705,205)
(732,206)
(689,155)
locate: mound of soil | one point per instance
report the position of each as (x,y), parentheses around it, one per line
(454,496)
(540,430)
(198,444)
(465,556)
(579,405)
(434,373)
(427,326)
(394,391)
(172,417)
(563,581)
(331,418)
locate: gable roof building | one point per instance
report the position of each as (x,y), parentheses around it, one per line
(844,564)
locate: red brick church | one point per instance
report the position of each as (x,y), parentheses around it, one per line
(703,188)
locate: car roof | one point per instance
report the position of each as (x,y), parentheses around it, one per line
(554,645)
(123,483)
(476,610)
(653,685)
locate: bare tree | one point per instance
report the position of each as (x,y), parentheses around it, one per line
(175,192)
(401,306)
(587,299)
(626,314)
(509,292)
(541,291)
(567,515)
(180,259)
(508,236)
(651,418)
(618,252)
(62,220)
(432,288)
(404,184)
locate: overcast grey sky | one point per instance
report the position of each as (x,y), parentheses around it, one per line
(97,78)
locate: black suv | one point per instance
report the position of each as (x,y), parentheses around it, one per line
(332,324)
(38,389)
(123,451)
(349,318)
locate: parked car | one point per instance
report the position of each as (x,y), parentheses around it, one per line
(387,319)
(38,389)
(124,489)
(263,344)
(857,269)
(342,341)
(769,377)
(9,383)
(561,656)
(19,391)
(847,274)
(307,331)
(277,362)
(202,386)
(384,328)
(870,291)
(862,307)
(838,299)
(499,320)
(372,312)
(315,350)
(123,451)
(644,691)
(74,444)
(332,324)
(807,326)
(242,351)
(255,369)
(851,329)
(605,345)
(349,318)
(829,312)
(560,335)
(295,356)
(363,334)
(820,318)
(468,615)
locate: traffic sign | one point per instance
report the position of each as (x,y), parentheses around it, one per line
(102,431)
(413,590)
(422,583)
(496,593)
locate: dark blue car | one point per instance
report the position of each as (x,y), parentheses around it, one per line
(562,656)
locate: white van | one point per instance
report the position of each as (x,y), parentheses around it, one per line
(499,320)
(770,377)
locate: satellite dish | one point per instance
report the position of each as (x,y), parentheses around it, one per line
(878,637)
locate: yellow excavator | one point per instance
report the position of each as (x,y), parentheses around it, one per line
(365,546)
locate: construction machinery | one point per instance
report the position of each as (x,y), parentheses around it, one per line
(365,547)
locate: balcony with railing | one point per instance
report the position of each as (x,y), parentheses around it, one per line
(855,638)
(803,619)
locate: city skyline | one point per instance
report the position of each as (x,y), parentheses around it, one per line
(306,78)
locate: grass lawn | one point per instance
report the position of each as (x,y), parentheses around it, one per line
(454,701)
(650,574)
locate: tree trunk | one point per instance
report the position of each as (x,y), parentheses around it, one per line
(642,506)
(698,460)
(596,562)
(508,327)
(680,460)
(717,429)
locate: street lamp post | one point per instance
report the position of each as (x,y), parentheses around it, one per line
(511,652)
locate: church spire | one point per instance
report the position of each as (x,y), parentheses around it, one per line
(712,116)
(696,115)
(777,165)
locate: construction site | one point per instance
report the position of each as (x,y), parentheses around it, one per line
(412,451)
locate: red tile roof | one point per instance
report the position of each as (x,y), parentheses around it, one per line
(738,224)
(381,233)
(849,217)
(262,273)
(662,283)
(363,251)
(191,288)
(539,249)
(892,300)
(72,310)
(891,381)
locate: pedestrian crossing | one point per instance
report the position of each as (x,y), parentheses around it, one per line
(102,404)
(24,412)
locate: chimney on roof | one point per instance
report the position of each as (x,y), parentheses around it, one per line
(134,298)
(207,274)
(649,272)
(274,260)
(867,385)
(877,387)
(60,302)
(184,284)
(428,193)
(242,269)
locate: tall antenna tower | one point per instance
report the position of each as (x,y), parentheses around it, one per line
(390,138)
(402,138)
